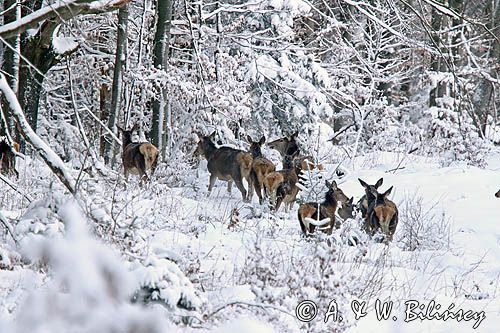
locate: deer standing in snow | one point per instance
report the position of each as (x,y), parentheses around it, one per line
(261,167)
(226,163)
(137,157)
(312,211)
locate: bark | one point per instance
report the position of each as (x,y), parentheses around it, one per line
(116,92)
(485,92)
(104,96)
(160,60)
(437,64)
(9,68)
(37,51)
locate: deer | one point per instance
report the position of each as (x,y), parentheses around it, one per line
(382,214)
(137,157)
(225,163)
(346,211)
(313,211)
(8,158)
(261,167)
(365,201)
(497,194)
(287,147)
(282,185)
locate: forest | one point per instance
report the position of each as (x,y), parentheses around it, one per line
(125,123)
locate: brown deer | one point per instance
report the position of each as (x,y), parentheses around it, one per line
(368,197)
(261,167)
(281,186)
(287,147)
(137,157)
(382,214)
(226,163)
(8,158)
(497,194)
(319,212)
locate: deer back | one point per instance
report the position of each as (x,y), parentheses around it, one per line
(137,157)
(225,162)
(307,163)
(324,210)
(383,214)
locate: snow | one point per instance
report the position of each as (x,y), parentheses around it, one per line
(63,45)
(183,230)
(245,325)
(82,250)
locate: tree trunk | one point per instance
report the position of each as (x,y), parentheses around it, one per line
(438,63)
(116,93)
(160,60)
(104,115)
(9,68)
(485,92)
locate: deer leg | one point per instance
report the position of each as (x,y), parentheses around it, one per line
(279,200)
(302,226)
(257,186)
(229,185)
(153,166)
(251,184)
(125,173)
(239,185)
(211,183)
(140,163)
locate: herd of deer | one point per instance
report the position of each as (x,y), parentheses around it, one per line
(234,165)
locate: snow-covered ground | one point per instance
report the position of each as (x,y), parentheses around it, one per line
(452,254)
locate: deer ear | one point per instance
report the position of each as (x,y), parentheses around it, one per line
(379,182)
(199,135)
(294,135)
(212,135)
(334,185)
(249,139)
(351,200)
(262,140)
(365,185)
(386,193)
(327,183)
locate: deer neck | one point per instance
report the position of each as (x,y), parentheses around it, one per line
(256,152)
(127,139)
(209,148)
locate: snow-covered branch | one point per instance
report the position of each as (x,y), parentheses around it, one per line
(61,10)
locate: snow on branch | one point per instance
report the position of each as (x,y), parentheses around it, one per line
(60,10)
